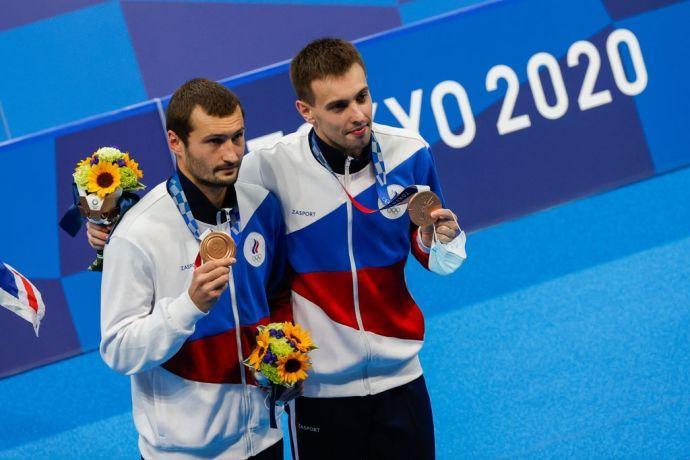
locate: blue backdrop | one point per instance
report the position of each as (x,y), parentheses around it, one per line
(527,104)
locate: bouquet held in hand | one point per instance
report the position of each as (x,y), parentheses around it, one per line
(281,358)
(105,181)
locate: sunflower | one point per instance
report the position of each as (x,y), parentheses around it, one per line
(257,355)
(133,165)
(293,367)
(104,178)
(298,336)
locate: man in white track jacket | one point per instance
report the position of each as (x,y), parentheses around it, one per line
(181,328)
(366,397)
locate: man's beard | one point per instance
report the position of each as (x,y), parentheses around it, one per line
(352,150)
(205,176)
(355,151)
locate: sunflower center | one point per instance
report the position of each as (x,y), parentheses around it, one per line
(292,365)
(105,180)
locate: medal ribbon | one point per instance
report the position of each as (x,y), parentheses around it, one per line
(381,179)
(175,190)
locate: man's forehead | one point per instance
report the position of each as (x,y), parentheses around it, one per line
(204,123)
(337,87)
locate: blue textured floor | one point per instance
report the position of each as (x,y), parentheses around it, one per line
(565,335)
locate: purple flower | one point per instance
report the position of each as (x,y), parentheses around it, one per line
(94,160)
(120,162)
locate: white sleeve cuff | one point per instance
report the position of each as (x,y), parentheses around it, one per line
(425,249)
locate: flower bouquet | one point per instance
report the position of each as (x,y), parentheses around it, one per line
(105,182)
(280,359)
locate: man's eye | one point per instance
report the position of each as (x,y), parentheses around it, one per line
(362,97)
(216,141)
(238,136)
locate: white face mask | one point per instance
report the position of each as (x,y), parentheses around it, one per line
(444,259)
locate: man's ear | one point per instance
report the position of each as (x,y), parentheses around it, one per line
(175,144)
(305,110)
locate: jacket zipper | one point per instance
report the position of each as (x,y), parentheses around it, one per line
(355,281)
(243,375)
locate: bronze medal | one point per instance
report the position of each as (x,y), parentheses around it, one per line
(420,207)
(217,245)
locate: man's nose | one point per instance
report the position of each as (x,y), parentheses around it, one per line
(357,115)
(232,152)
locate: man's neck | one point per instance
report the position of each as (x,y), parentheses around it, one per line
(214,194)
(336,158)
(205,201)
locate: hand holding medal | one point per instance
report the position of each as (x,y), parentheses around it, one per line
(217,253)
(209,281)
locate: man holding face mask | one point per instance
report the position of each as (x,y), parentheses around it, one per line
(341,185)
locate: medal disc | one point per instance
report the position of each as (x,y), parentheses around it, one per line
(420,207)
(217,245)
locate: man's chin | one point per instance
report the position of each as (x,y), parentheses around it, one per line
(360,140)
(359,144)
(222,180)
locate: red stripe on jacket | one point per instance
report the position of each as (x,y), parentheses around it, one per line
(214,359)
(386,306)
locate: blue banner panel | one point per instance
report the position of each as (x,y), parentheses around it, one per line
(83,294)
(89,69)
(619,9)
(664,105)
(19,12)
(220,39)
(28,234)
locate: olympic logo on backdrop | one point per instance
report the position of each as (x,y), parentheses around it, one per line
(255,249)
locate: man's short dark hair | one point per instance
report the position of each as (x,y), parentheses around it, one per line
(214,98)
(320,59)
